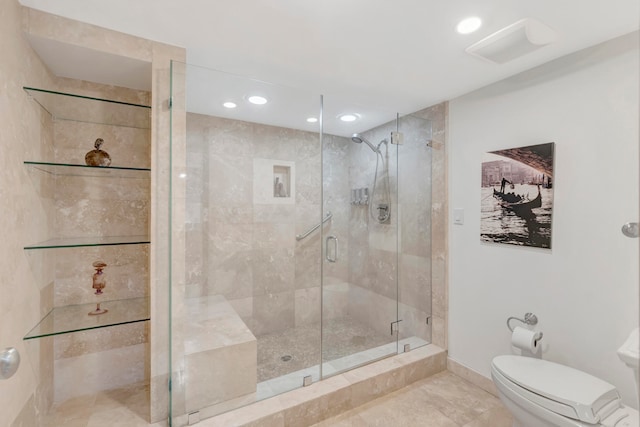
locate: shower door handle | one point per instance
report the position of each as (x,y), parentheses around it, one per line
(335,251)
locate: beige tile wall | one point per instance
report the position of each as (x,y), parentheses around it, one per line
(393,261)
(90,206)
(30,133)
(439,116)
(26,292)
(239,247)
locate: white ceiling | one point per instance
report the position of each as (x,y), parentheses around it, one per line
(388,56)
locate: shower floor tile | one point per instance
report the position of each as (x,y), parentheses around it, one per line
(299,348)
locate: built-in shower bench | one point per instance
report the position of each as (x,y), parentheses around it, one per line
(220,353)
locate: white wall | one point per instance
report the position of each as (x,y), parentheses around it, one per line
(585,289)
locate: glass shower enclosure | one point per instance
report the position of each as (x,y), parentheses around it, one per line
(300,242)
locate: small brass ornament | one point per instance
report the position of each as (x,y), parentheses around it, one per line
(99,282)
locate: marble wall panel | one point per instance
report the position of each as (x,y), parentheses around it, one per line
(383,272)
(335,300)
(224,239)
(415,229)
(110,217)
(273,271)
(307,306)
(241,214)
(228,137)
(371,308)
(95,189)
(250,249)
(231,276)
(93,341)
(126,146)
(271,142)
(126,274)
(415,280)
(307,145)
(230,180)
(194,268)
(308,251)
(308,258)
(308,181)
(275,214)
(273,312)
(274,235)
(103,370)
(438,115)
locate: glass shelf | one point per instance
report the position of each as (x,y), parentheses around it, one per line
(90,171)
(67,106)
(74,242)
(75,318)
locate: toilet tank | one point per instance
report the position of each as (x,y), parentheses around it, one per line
(629,353)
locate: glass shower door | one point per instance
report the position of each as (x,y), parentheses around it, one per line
(414,249)
(360,256)
(245,291)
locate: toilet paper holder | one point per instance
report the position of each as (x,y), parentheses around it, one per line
(529,319)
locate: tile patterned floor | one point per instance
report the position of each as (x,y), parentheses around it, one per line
(342,337)
(443,400)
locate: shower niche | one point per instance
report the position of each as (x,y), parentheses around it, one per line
(274,181)
(281,181)
(276,245)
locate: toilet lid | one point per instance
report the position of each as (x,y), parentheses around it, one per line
(585,393)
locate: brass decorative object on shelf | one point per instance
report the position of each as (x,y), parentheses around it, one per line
(99,282)
(97,157)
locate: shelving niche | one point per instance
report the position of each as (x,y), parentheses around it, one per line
(106,198)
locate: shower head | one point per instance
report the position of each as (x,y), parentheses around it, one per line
(359,139)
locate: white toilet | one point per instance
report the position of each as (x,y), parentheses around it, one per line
(539,393)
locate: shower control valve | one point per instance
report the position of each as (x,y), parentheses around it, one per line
(383,213)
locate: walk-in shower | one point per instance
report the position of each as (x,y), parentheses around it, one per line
(278,279)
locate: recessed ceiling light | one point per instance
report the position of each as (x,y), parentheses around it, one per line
(469,25)
(258,100)
(183,175)
(230,104)
(348,117)
(312,119)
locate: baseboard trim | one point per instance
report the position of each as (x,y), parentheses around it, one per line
(472,376)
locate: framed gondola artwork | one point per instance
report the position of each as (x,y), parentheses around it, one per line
(517,196)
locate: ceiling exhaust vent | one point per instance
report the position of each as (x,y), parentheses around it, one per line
(514,41)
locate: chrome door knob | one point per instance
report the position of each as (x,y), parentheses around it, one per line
(9,362)
(630,229)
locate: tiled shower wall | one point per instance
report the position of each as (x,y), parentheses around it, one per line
(392,261)
(245,250)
